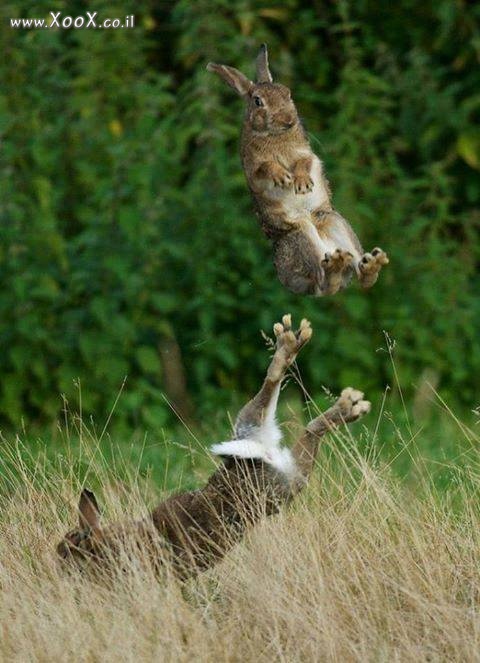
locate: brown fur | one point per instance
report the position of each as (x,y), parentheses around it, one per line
(277,157)
(197,528)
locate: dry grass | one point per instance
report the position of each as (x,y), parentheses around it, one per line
(361,568)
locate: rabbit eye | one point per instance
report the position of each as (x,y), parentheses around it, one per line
(257,101)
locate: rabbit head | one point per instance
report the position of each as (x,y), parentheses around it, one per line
(85,541)
(270,108)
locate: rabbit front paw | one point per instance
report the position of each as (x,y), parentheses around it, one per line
(302,183)
(281,177)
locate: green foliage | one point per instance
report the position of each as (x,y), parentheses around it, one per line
(125,218)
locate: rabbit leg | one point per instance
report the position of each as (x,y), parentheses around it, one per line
(337,268)
(370,265)
(333,228)
(256,429)
(302,181)
(273,172)
(348,408)
(259,412)
(339,248)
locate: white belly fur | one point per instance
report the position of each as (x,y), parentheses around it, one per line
(338,239)
(297,205)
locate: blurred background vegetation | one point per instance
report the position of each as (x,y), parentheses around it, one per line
(129,246)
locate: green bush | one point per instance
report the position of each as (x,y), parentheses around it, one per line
(128,242)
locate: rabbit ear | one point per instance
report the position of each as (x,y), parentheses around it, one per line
(232,76)
(263,72)
(89,513)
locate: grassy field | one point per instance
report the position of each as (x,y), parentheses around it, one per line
(129,247)
(378,559)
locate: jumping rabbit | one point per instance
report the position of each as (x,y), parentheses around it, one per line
(256,476)
(316,252)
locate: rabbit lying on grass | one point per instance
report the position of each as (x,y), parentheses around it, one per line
(316,251)
(195,529)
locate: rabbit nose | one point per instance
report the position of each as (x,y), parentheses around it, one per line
(287,122)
